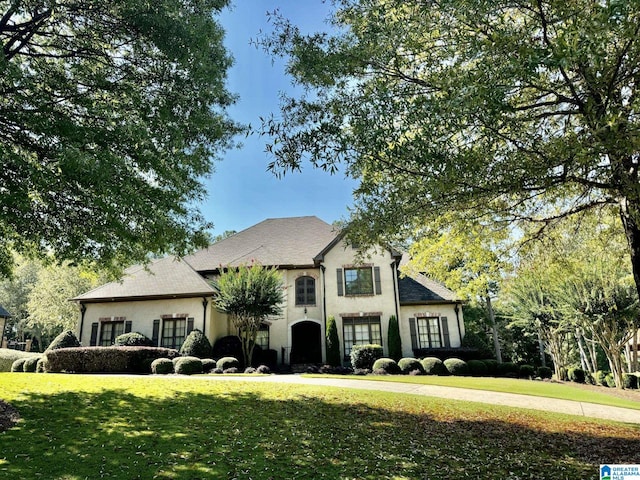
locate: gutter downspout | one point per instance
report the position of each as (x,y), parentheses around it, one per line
(456,308)
(83,310)
(324,307)
(205,302)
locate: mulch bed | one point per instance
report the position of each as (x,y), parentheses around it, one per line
(9,416)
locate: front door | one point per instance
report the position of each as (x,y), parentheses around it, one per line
(306,344)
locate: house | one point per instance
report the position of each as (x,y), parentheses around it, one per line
(321,277)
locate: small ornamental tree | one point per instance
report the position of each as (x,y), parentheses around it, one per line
(249,294)
(66,339)
(196,345)
(333,343)
(394,341)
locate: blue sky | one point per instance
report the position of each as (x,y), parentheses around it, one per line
(241,191)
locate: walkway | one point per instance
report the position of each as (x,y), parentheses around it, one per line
(481,396)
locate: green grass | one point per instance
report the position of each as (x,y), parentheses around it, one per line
(76,427)
(508,385)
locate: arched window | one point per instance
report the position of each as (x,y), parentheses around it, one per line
(305,291)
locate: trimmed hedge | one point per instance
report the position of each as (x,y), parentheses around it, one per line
(630,380)
(66,339)
(196,345)
(208,364)
(263,369)
(187,365)
(508,369)
(492,367)
(456,366)
(433,366)
(18,365)
(527,371)
(610,381)
(41,366)
(478,368)
(576,375)
(409,364)
(31,364)
(133,339)
(161,366)
(600,378)
(386,365)
(8,356)
(363,356)
(105,359)
(226,363)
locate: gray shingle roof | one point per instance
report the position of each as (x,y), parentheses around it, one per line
(167,277)
(274,242)
(4,313)
(419,289)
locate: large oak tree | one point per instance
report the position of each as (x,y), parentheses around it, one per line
(110,114)
(523,109)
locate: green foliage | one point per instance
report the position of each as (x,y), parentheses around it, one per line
(433,366)
(249,295)
(8,356)
(478,342)
(600,377)
(333,343)
(116,112)
(492,367)
(363,356)
(133,339)
(544,372)
(508,369)
(478,368)
(394,341)
(162,366)
(527,371)
(610,380)
(386,365)
(187,365)
(30,364)
(196,345)
(630,381)
(408,365)
(208,364)
(105,359)
(576,375)
(66,339)
(227,362)
(18,365)
(456,367)
(41,366)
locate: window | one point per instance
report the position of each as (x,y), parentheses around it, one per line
(109,332)
(173,332)
(358,281)
(305,291)
(360,331)
(429,332)
(262,339)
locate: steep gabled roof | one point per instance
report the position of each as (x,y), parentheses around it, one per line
(167,277)
(419,289)
(279,242)
(4,313)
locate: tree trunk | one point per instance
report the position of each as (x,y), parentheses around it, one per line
(630,216)
(543,358)
(494,328)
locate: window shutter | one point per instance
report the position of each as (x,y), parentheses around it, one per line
(94,334)
(414,335)
(340,282)
(127,326)
(156,332)
(378,284)
(445,332)
(189,325)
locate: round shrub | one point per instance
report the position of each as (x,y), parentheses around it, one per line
(208,364)
(456,366)
(217,371)
(161,366)
(188,365)
(388,365)
(363,356)
(492,367)
(508,369)
(231,370)
(478,368)
(66,339)
(544,372)
(630,380)
(263,369)
(227,362)
(30,364)
(600,378)
(249,370)
(18,365)
(576,375)
(408,365)
(433,366)
(361,371)
(133,339)
(610,381)
(527,371)
(196,345)
(41,366)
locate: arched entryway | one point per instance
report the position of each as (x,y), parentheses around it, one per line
(306,343)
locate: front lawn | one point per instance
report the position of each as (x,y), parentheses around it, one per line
(564,391)
(76,427)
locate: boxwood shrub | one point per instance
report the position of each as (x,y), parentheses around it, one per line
(18,365)
(263,369)
(600,377)
(456,366)
(363,356)
(41,366)
(433,366)
(8,356)
(508,369)
(227,362)
(386,365)
(196,345)
(492,367)
(161,366)
(30,364)
(527,371)
(576,375)
(409,364)
(66,339)
(544,372)
(610,381)
(630,380)
(105,359)
(187,365)
(478,368)
(133,339)
(208,364)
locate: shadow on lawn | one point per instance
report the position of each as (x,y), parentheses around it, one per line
(115,434)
